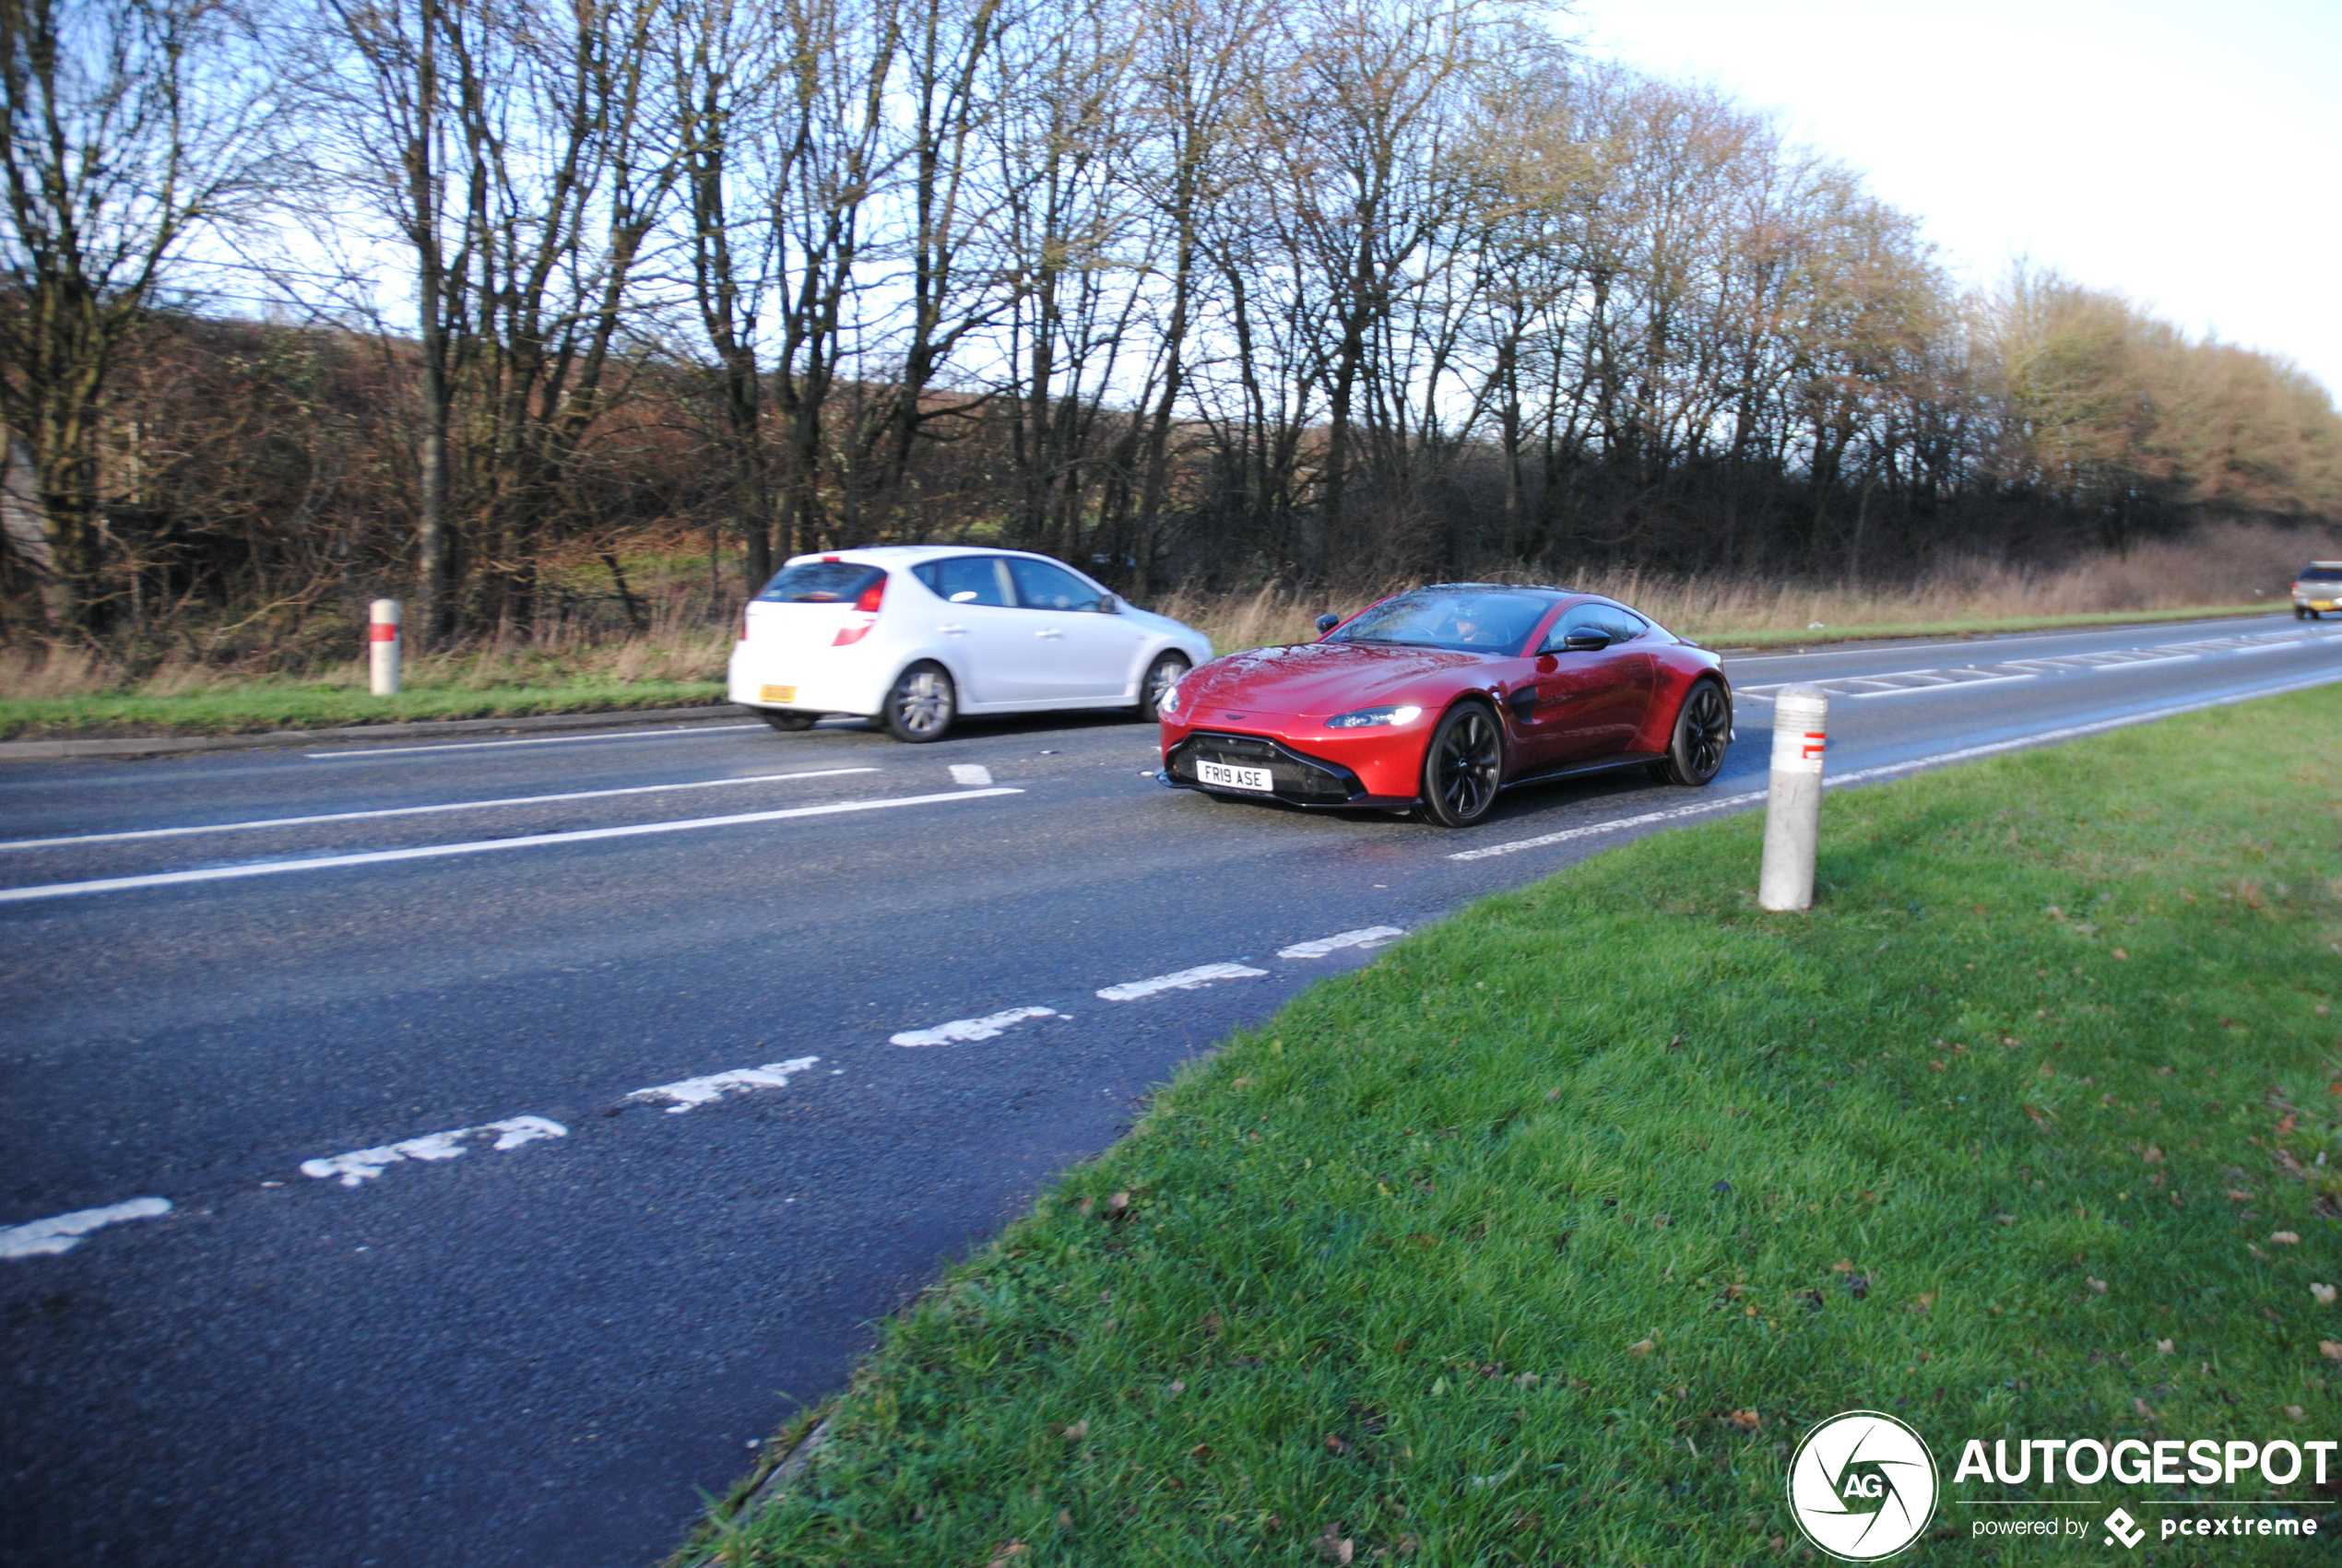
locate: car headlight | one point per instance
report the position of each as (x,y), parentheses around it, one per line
(1359,718)
(1169,701)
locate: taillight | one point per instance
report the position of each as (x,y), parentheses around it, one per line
(863,616)
(744,623)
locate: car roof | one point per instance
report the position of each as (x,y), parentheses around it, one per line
(2326,564)
(910,554)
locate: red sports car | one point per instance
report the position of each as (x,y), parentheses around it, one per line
(1437,698)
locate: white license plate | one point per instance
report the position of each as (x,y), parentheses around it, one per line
(1221,776)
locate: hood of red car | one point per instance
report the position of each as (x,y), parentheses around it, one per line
(1315,680)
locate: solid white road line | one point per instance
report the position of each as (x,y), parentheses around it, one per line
(1185,980)
(420,810)
(548,740)
(688,1092)
(963,1029)
(1616,825)
(62,1233)
(481,846)
(975,775)
(363,1165)
(2143,664)
(1371,937)
(1940,759)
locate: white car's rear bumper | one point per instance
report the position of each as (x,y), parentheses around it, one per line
(781,677)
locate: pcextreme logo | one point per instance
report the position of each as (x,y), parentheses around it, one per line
(1862,1486)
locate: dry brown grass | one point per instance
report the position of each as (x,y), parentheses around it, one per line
(2224,565)
(687,639)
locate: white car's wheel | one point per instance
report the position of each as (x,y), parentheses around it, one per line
(922,704)
(1167,672)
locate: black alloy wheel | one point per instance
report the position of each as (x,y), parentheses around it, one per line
(786,721)
(1463,766)
(922,704)
(1167,672)
(1703,728)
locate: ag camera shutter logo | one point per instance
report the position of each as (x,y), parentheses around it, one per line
(1862,1486)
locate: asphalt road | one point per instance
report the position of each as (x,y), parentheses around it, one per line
(540,1338)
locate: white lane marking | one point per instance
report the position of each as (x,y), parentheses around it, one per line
(62,1233)
(419,810)
(1371,937)
(481,846)
(1939,759)
(973,774)
(547,740)
(2273,647)
(2142,664)
(1185,980)
(1962,684)
(961,1029)
(690,1092)
(363,1165)
(1566,834)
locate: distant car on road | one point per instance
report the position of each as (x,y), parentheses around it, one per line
(2317,590)
(1436,698)
(916,635)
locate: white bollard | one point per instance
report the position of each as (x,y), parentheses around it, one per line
(381,631)
(1793,803)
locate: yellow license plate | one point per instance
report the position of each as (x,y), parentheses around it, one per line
(777,693)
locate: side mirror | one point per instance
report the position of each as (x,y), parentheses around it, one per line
(1327,623)
(1585,642)
(1109,606)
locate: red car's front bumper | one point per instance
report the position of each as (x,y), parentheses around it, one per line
(1379,766)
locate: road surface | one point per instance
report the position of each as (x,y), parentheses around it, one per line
(470,1155)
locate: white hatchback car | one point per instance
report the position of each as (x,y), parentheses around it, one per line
(915,635)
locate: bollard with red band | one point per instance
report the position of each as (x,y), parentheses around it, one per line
(1793,800)
(382,645)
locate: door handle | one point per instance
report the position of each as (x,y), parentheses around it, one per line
(953,630)
(1048,632)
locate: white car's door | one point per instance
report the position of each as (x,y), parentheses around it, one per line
(979,620)
(1084,655)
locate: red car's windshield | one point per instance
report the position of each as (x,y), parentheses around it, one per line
(1486,620)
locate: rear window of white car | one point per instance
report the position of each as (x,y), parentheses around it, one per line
(821,582)
(2321,574)
(966,579)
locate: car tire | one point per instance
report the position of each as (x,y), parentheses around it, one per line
(787,722)
(1703,728)
(2300,613)
(1167,672)
(1463,766)
(921,705)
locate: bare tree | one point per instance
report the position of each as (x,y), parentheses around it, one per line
(134,127)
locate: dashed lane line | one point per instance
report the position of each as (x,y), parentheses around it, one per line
(62,1233)
(678,734)
(477,846)
(685,1094)
(363,1165)
(1184,980)
(972,775)
(963,1031)
(1369,937)
(420,810)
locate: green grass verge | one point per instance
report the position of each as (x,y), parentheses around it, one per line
(1542,1239)
(259,706)
(1977,626)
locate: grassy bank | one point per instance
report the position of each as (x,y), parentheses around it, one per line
(1544,1237)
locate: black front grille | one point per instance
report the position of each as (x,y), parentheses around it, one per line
(1306,781)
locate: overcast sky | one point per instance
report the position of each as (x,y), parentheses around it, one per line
(2188,155)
